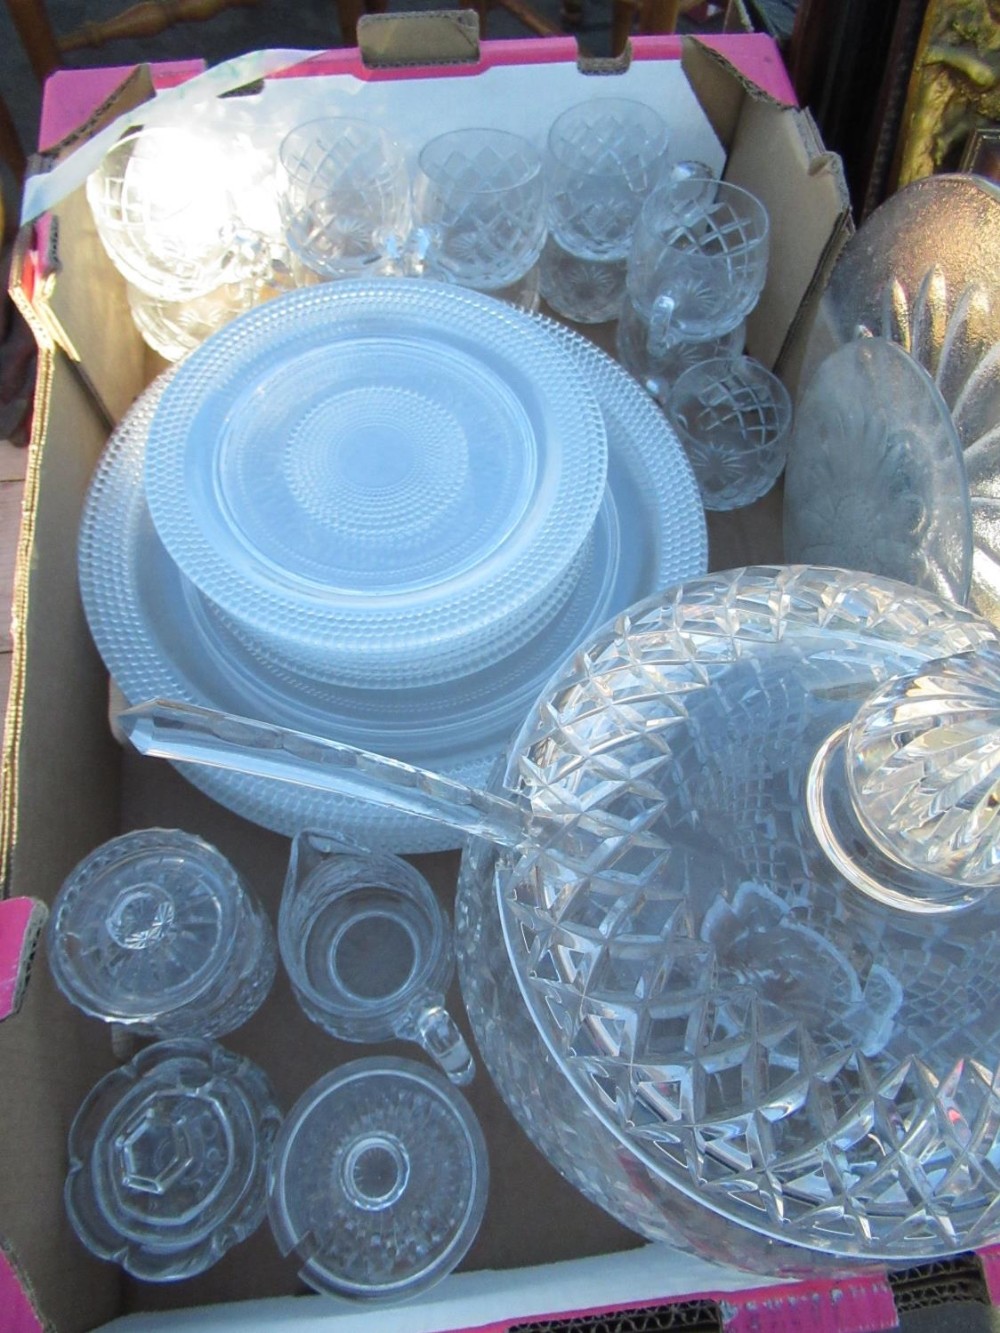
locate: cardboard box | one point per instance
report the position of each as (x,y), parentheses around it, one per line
(68,786)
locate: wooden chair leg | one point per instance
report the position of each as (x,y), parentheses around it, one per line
(348,13)
(11,150)
(659,15)
(146,19)
(622,14)
(527,16)
(36,34)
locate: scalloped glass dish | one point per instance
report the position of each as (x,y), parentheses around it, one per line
(875,478)
(159,637)
(374,473)
(922,272)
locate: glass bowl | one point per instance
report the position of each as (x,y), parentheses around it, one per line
(714,1031)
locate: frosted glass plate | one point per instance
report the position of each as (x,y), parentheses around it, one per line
(372,473)
(875,479)
(158,636)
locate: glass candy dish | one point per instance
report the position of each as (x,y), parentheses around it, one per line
(374,473)
(168,1159)
(404,1176)
(921,272)
(736,1020)
(158,636)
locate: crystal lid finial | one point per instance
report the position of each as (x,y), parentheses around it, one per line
(923,768)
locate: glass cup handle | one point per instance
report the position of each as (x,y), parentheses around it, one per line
(428,1023)
(660,336)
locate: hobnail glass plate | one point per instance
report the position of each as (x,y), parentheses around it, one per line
(922,272)
(375,472)
(159,637)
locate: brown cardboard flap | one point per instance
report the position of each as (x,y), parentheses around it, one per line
(57,738)
(86,311)
(808,207)
(436,37)
(60,792)
(717,85)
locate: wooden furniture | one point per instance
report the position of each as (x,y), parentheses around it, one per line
(645,16)
(11,151)
(45,47)
(350,11)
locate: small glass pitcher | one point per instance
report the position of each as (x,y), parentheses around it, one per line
(369,950)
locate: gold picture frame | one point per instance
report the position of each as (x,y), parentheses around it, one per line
(954,87)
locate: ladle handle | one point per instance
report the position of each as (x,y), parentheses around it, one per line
(189,734)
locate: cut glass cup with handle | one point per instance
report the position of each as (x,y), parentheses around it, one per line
(698,260)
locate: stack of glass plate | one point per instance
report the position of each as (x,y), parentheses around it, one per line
(383,512)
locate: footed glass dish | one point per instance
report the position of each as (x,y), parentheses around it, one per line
(378,1181)
(168,1158)
(156,930)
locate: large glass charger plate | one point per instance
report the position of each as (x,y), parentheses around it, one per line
(921,272)
(742,1027)
(159,637)
(378,473)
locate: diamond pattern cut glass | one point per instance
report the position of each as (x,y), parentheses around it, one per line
(732,416)
(714,1014)
(343,194)
(698,259)
(604,156)
(479,207)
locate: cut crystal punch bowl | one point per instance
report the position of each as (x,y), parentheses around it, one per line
(708,995)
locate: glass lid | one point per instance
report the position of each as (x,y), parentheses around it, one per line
(144,926)
(789,1021)
(378,1180)
(376,470)
(168,1157)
